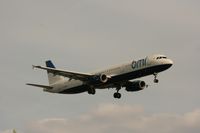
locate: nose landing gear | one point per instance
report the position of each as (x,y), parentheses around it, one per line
(155,78)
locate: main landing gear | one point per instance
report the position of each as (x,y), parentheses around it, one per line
(155,78)
(117,94)
(91,91)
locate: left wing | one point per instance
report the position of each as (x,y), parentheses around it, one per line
(69,74)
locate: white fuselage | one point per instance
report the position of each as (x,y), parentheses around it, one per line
(132,70)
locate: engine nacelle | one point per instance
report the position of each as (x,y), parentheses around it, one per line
(102,78)
(135,85)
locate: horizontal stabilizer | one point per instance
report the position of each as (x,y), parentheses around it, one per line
(41,86)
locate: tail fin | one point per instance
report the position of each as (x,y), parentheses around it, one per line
(52,78)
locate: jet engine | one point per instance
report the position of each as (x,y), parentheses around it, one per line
(135,86)
(102,78)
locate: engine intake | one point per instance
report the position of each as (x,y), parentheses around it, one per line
(135,86)
(102,78)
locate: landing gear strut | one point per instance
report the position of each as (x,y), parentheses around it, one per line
(155,78)
(117,94)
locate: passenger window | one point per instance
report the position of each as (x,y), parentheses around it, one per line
(161,57)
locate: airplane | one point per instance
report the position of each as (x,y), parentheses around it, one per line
(121,76)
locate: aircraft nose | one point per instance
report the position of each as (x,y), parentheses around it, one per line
(170,62)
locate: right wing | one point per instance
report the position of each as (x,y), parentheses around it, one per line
(69,74)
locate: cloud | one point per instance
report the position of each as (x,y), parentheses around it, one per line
(120,118)
(7,131)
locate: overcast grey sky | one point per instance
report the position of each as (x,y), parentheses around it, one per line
(84,35)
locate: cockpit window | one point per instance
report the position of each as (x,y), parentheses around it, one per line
(161,57)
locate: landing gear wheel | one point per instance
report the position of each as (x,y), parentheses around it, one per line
(117,95)
(91,91)
(156,80)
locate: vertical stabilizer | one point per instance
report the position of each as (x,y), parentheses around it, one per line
(52,78)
